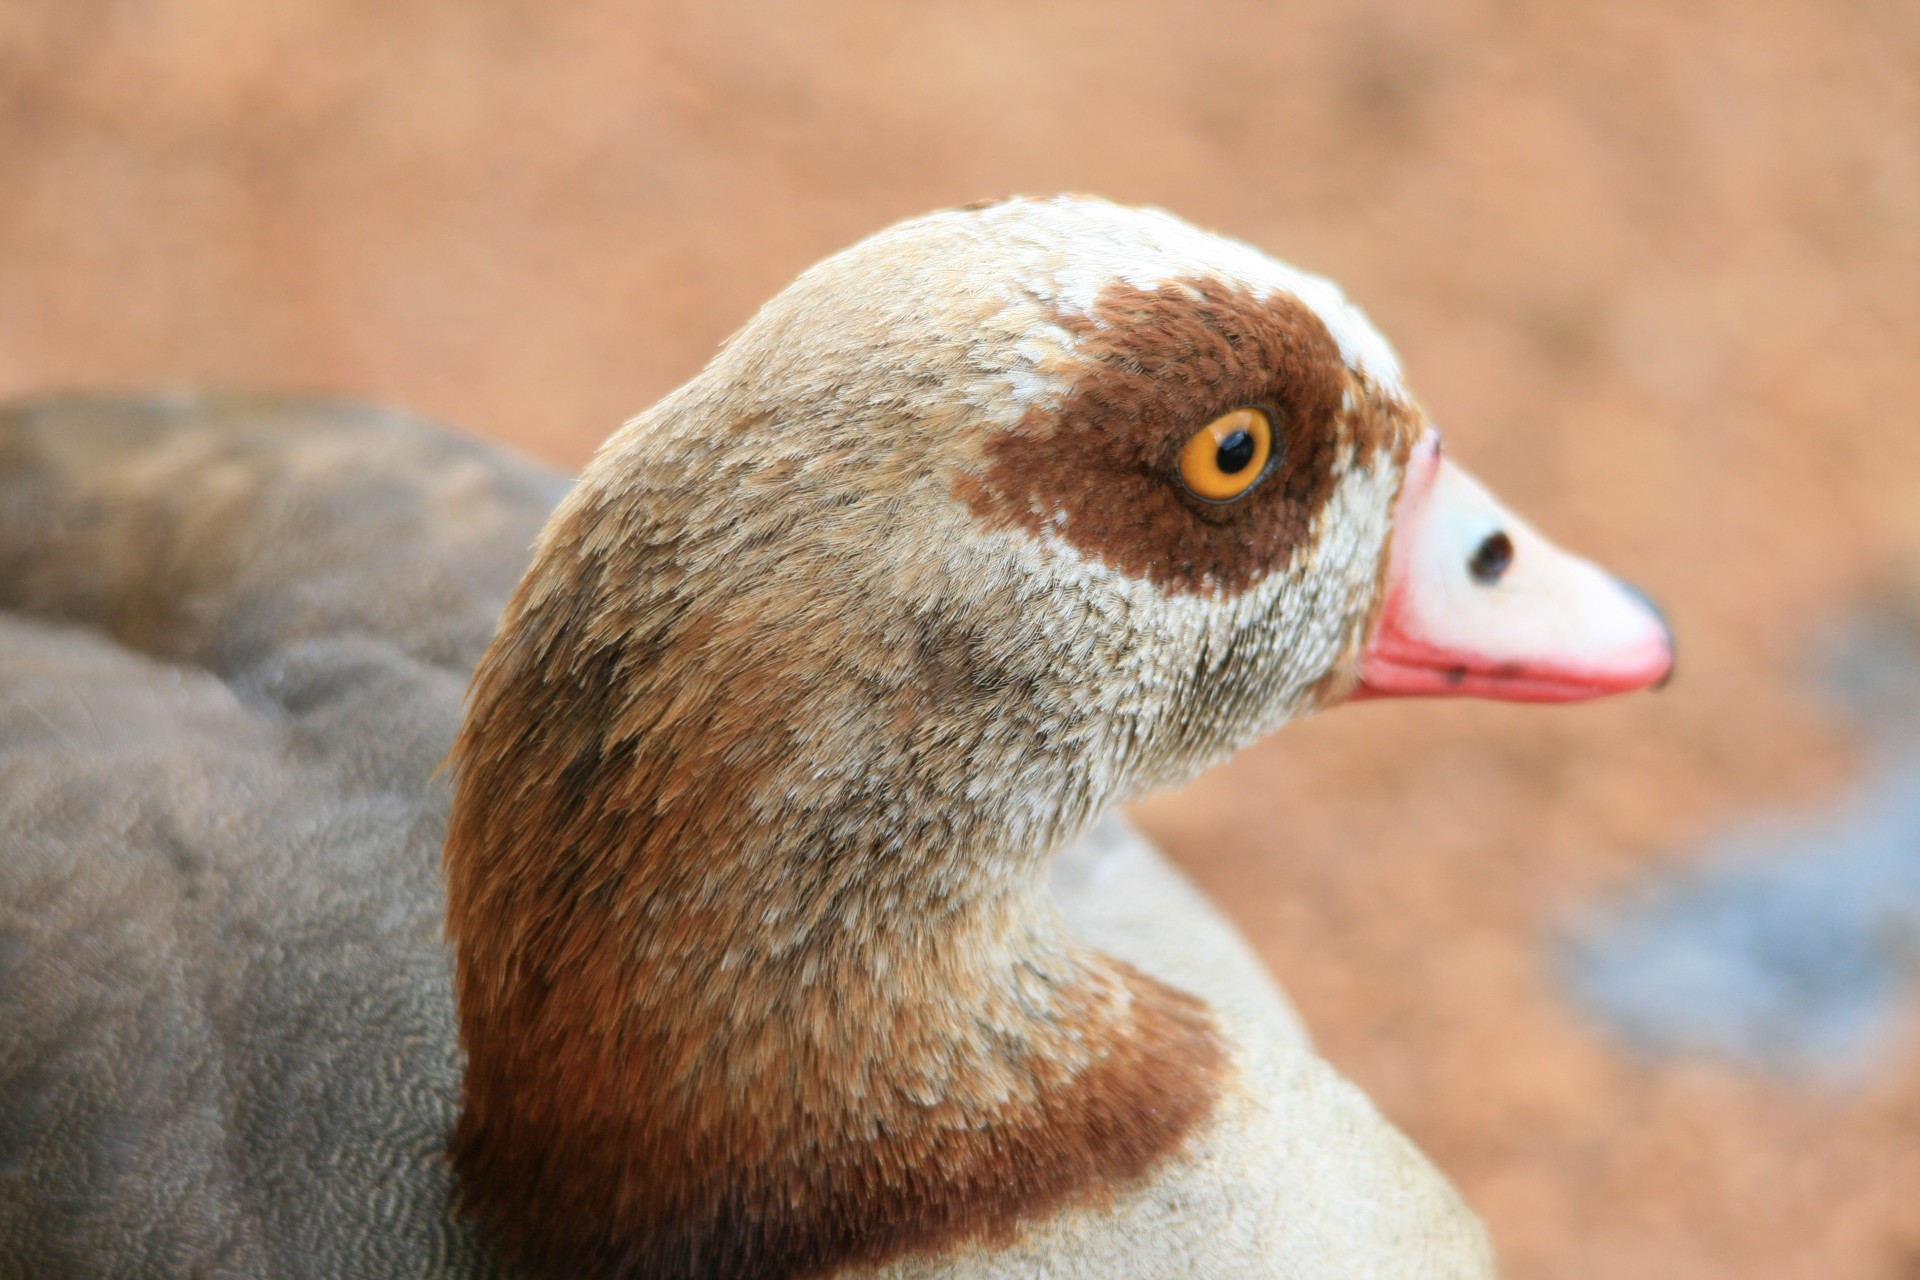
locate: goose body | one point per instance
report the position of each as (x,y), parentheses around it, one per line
(790,937)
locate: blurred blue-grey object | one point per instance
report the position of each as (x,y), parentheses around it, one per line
(1791,944)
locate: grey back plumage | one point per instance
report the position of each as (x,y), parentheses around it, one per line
(233,649)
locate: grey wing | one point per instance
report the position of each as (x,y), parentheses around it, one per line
(234,637)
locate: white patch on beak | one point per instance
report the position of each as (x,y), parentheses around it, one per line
(1479,603)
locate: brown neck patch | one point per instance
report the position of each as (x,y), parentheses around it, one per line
(1155,365)
(706,1041)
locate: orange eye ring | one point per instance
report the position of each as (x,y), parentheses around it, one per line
(1227,457)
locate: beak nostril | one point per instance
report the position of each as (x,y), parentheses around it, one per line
(1491,559)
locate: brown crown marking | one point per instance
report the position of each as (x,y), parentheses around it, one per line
(1156,365)
(663,1084)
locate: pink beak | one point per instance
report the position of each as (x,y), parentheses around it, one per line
(1479,603)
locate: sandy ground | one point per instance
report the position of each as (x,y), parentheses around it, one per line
(1656,267)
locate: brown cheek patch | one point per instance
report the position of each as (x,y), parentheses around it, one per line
(1156,365)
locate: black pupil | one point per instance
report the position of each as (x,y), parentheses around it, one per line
(1235,452)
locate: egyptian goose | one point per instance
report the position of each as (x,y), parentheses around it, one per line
(996,519)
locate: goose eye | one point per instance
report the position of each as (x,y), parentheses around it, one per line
(1224,459)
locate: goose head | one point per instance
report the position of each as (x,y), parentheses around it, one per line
(995,519)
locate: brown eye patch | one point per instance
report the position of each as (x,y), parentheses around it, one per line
(1156,366)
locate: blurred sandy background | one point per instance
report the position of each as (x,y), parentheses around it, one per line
(1656,267)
